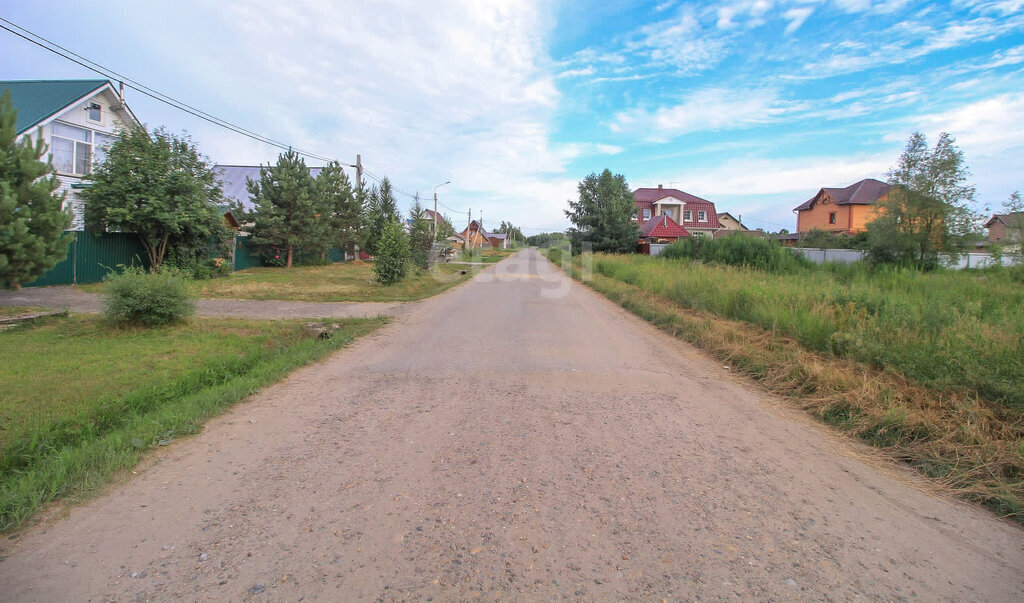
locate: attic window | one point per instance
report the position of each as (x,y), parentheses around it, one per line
(95,112)
(647,214)
(687,215)
(702,216)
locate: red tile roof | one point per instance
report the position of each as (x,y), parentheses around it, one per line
(865,192)
(662,226)
(645,198)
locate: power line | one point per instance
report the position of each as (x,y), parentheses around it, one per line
(108,73)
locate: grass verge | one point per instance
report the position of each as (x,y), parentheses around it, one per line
(340,282)
(112,394)
(969,445)
(10,311)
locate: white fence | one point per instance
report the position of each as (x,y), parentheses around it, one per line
(974,259)
(657,248)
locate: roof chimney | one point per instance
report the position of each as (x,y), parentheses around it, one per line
(659,187)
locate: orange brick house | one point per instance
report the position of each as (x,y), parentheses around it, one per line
(842,210)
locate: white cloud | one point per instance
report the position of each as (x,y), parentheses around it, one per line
(796,18)
(986,128)
(797,175)
(709,109)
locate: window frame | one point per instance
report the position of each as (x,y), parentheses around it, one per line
(831,217)
(702,215)
(646,214)
(687,215)
(86,144)
(89,109)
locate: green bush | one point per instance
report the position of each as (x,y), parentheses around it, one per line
(738,250)
(147,298)
(391,263)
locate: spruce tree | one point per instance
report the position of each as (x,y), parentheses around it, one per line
(421,239)
(382,210)
(286,210)
(343,226)
(32,219)
(391,262)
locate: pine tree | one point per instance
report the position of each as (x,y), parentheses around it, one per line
(391,262)
(32,220)
(340,208)
(382,210)
(286,210)
(421,239)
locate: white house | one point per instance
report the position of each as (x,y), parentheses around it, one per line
(78,119)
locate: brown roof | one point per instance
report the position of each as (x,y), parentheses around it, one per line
(865,192)
(1017,217)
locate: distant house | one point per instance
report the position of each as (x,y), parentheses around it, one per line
(479,238)
(695,215)
(662,229)
(1005,229)
(728,222)
(842,210)
(77,119)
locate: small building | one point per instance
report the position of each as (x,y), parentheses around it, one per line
(697,216)
(728,222)
(477,237)
(842,210)
(77,119)
(662,229)
(1005,229)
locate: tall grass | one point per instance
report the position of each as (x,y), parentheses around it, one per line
(738,250)
(946,330)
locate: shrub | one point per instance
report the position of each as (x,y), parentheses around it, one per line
(738,250)
(148,298)
(391,263)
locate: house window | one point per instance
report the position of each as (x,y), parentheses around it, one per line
(71,148)
(95,112)
(647,214)
(102,142)
(687,215)
(832,217)
(702,216)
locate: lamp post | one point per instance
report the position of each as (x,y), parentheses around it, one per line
(435,204)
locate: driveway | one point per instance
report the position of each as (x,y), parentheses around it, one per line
(518,437)
(71,299)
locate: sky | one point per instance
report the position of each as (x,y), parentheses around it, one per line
(754,105)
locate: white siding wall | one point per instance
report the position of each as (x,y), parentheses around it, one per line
(111,119)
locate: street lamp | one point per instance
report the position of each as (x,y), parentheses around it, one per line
(435,204)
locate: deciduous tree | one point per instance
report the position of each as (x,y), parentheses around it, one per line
(603,214)
(158,186)
(32,219)
(929,206)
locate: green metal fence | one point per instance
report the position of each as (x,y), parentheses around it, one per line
(91,256)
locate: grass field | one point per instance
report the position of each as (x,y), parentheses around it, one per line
(7,311)
(340,282)
(925,365)
(82,400)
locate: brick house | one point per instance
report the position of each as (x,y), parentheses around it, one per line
(842,210)
(696,216)
(662,229)
(1005,229)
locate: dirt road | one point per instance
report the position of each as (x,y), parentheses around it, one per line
(517,437)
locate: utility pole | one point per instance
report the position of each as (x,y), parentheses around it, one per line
(359,173)
(435,214)
(469,224)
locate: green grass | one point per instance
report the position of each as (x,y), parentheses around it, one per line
(784,332)
(945,329)
(9,311)
(340,282)
(486,256)
(82,400)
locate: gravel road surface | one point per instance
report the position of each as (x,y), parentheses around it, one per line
(517,437)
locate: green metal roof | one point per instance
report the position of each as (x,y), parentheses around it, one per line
(37,100)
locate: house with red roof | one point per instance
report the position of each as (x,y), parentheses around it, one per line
(690,214)
(662,229)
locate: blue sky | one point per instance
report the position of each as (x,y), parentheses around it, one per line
(751,104)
